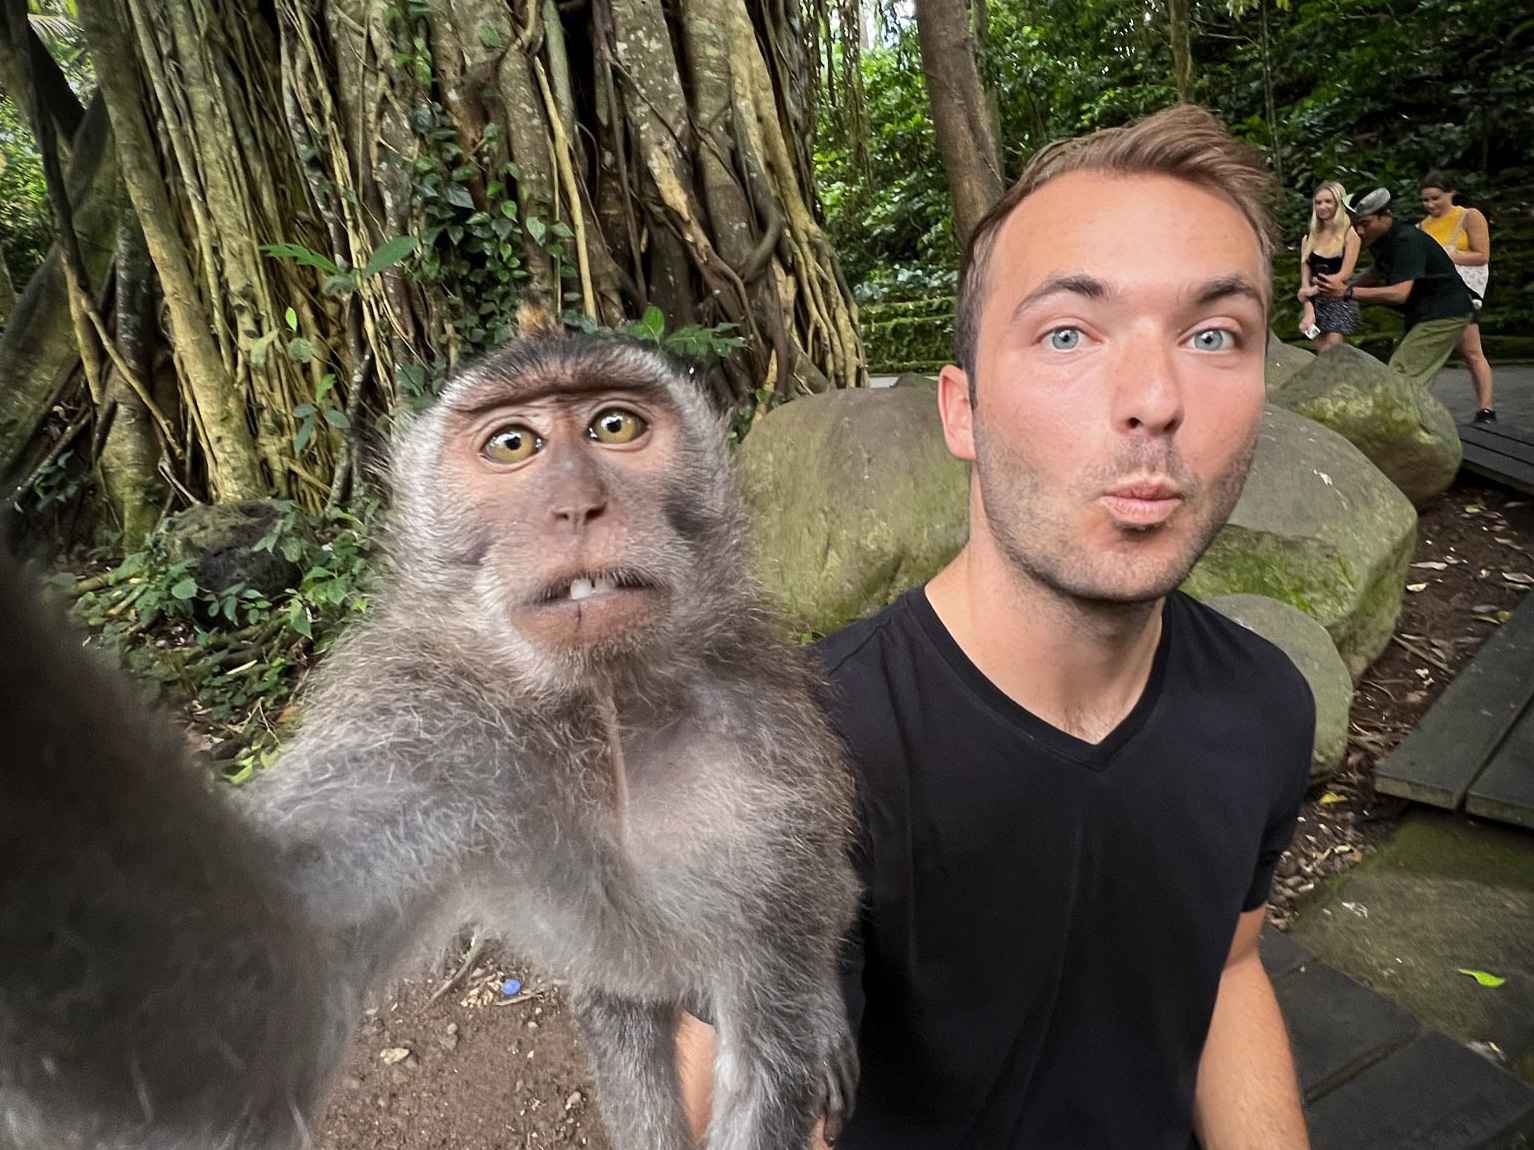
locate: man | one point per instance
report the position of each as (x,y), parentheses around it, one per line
(1075,781)
(1412,273)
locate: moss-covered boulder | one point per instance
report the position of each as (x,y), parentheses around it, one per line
(220,539)
(1311,650)
(1282,362)
(1318,527)
(854,498)
(1408,434)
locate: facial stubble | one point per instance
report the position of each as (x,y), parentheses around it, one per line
(1034,532)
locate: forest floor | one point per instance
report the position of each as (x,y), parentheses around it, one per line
(475,1070)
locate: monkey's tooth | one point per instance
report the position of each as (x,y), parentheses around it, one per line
(582,588)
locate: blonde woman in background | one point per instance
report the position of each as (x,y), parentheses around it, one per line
(1331,248)
(1462,232)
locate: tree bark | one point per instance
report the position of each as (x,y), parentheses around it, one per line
(233,470)
(7,294)
(38,352)
(1274,147)
(131,452)
(1182,47)
(960,114)
(59,99)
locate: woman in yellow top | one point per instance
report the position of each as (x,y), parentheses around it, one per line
(1463,233)
(1329,248)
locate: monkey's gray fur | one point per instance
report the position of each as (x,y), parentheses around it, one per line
(661,817)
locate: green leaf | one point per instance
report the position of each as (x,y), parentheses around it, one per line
(562,231)
(300,350)
(457,194)
(184,590)
(302,256)
(323,387)
(488,36)
(305,434)
(298,620)
(292,318)
(337,418)
(339,285)
(389,254)
(535,228)
(304,411)
(1490,981)
(509,209)
(650,327)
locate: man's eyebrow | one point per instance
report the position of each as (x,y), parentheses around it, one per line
(1074,284)
(1224,286)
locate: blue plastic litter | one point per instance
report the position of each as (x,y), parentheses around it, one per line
(511,988)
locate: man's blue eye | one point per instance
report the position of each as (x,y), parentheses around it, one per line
(1064,338)
(1213,339)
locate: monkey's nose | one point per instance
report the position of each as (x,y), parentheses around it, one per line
(574,510)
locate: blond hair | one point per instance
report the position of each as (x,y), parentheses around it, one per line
(1184,141)
(1337,230)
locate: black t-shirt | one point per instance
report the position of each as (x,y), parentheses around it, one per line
(1046,920)
(1407,253)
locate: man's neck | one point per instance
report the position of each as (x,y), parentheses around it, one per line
(1079,666)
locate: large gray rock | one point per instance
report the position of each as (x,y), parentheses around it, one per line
(1282,362)
(220,539)
(1403,430)
(855,498)
(1311,650)
(1320,528)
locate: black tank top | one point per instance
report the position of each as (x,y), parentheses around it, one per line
(1324,265)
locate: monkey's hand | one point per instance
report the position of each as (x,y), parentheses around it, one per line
(839,1083)
(156,992)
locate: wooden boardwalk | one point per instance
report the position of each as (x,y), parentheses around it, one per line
(1503,451)
(1474,749)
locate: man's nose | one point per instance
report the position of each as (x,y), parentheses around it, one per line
(1148,397)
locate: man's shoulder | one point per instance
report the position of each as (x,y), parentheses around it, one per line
(858,643)
(862,660)
(1230,657)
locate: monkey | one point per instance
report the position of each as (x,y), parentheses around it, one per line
(568,719)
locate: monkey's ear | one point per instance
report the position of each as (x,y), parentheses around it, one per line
(535,320)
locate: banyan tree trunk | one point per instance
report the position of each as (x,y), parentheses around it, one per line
(599,156)
(38,351)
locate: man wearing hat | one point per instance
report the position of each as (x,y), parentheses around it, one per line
(1410,272)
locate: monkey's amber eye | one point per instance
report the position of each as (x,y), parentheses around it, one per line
(615,425)
(512,444)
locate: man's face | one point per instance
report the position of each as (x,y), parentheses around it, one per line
(1371,228)
(1119,382)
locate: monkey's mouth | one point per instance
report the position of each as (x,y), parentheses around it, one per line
(584,586)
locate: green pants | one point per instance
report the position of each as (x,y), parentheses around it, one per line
(1426,348)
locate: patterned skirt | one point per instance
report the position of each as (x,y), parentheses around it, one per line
(1337,314)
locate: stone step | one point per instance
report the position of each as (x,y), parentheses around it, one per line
(1433,1094)
(1337,1026)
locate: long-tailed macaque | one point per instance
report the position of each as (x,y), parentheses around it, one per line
(567,720)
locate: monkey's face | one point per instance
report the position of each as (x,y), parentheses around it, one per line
(584,500)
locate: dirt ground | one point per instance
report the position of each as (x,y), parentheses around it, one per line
(475,1069)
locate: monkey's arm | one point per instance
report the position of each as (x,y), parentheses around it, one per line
(158,990)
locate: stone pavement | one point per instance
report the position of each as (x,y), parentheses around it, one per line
(1513,392)
(1375,1079)
(1381,1017)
